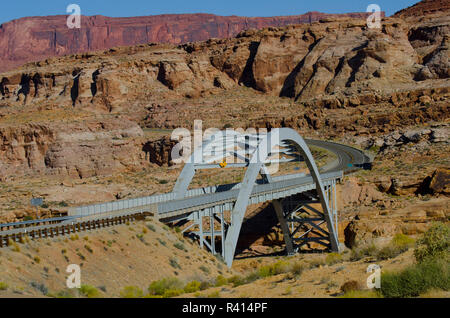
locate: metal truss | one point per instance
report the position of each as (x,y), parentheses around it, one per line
(254,152)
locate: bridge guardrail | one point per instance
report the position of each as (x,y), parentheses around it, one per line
(129,204)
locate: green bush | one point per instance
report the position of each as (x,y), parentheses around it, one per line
(3,286)
(172,293)
(274,269)
(89,291)
(416,279)
(399,244)
(165,286)
(361,294)
(220,281)
(236,280)
(180,246)
(131,292)
(403,241)
(204,269)
(333,258)
(192,287)
(434,243)
(63,294)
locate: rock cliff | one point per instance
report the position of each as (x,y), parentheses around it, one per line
(35,38)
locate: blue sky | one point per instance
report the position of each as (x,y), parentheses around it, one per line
(20,8)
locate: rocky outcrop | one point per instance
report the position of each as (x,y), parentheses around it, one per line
(437,183)
(37,38)
(424,7)
(369,226)
(416,139)
(78,150)
(160,151)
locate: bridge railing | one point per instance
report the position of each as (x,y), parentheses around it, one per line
(154,200)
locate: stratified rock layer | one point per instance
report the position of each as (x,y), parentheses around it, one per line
(36,38)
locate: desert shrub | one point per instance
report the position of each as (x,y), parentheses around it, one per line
(362,294)
(63,294)
(141,237)
(349,286)
(297,268)
(173,262)
(403,241)
(14,246)
(416,279)
(89,249)
(220,281)
(316,263)
(205,285)
(172,293)
(192,287)
(387,252)
(165,287)
(163,243)
(250,278)
(398,245)
(151,227)
(333,258)
(3,286)
(74,237)
(236,280)
(131,292)
(81,256)
(40,287)
(215,294)
(204,269)
(180,246)
(37,259)
(434,243)
(273,269)
(89,291)
(364,251)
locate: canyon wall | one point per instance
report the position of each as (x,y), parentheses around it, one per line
(36,38)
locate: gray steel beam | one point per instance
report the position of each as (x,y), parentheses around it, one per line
(284,226)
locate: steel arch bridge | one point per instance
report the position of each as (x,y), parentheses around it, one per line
(214,214)
(257,152)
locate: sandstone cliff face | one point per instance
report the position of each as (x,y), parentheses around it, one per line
(36,38)
(336,58)
(78,150)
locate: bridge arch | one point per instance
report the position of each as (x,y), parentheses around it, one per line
(255,166)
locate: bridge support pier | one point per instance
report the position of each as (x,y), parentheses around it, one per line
(210,224)
(302,224)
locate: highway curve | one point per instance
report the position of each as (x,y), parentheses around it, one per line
(348,159)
